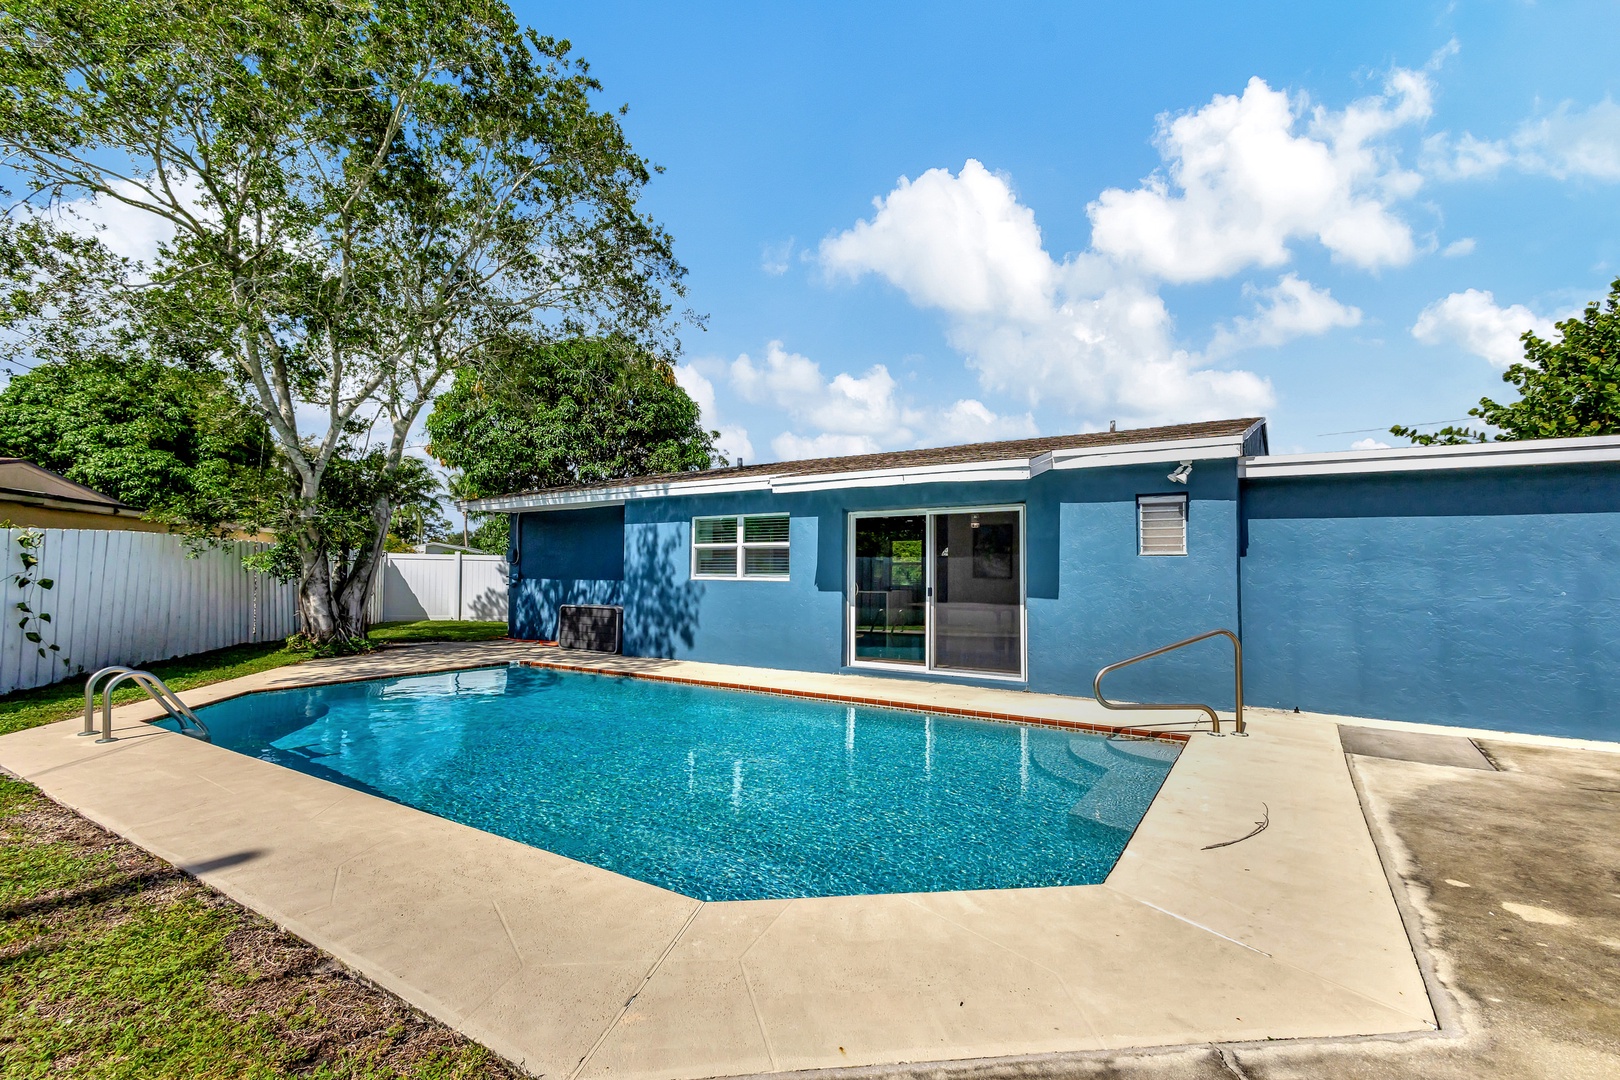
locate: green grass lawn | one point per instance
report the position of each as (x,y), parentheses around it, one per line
(115,965)
(45,704)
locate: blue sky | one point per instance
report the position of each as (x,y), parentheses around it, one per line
(1340,219)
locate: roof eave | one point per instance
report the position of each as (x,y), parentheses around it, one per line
(1003,469)
(1501,455)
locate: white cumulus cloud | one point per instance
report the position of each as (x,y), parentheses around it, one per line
(858,414)
(775,259)
(126,230)
(1573,142)
(1246,176)
(962,243)
(971,421)
(1568,142)
(1292,308)
(1079,331)
(846,404)
(698,387)
(1473,320)
(1369,444)
(790,447)
(733,442)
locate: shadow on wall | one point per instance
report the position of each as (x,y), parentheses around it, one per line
(487,606)
(535,602)
(400,602)
(661,602)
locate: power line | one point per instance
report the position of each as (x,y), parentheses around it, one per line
(1426,423)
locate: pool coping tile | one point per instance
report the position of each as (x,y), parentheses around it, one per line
(1290,932)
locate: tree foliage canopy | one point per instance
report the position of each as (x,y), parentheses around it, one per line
(1567,388)
(169,440)
(180,444)
(577,412)
(363,195)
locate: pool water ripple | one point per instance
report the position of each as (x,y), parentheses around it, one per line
(719,794)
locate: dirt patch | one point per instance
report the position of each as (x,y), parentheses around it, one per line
(1517,877)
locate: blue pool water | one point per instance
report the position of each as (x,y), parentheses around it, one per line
(721,795)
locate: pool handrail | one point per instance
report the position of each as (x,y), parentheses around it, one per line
(1214,720)
(155,688)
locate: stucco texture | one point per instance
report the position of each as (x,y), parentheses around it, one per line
(1091,598)
(1481,598)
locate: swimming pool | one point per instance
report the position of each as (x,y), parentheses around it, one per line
(719,794)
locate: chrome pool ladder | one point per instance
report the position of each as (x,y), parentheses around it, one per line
(155,688)
(1214,720)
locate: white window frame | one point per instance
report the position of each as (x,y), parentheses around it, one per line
(1186,524)
(740,546)
(928,668)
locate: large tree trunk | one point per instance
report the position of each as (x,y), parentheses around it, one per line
(333,614)
(317,619)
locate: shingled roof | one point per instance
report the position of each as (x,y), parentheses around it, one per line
(942,455)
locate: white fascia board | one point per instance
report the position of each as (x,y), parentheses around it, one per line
(617,495)
(1504,455)
(1010,469)
(1014,469)
(1097,457)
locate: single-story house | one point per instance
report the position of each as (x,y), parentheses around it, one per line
(1470,585)
(36,497)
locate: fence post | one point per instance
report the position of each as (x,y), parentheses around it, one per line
(379,585)
(461,583)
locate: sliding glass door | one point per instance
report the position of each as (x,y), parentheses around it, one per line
(890,605)
(941,590)
(978,609)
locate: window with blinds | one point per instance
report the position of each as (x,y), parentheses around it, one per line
(1161,524)
(745,546)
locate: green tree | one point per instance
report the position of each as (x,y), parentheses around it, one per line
(494,534)
(362,195)
(180,444)
(1567,388)
(175,442)
(575,412)
(355,482)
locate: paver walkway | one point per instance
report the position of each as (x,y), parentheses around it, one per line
(572,970)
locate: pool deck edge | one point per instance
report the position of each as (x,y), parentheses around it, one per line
(573,971)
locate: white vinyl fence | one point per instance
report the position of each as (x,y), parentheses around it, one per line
(455,586)
(129,598)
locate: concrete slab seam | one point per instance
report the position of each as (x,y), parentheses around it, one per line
(759,1017)
(761,935)
(658,963)
(1230,1062)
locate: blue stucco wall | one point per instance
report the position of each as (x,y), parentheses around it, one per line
(563,557)
(1486,598)
(1091,598)
(1110,603)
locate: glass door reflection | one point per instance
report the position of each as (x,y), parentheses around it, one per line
(977,618)
(891,607)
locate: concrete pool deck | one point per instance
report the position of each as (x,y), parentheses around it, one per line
(571,970)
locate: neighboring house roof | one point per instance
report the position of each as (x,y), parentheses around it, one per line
(441,547)
(1014,459)
(24,482)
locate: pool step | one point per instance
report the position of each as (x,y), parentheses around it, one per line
(1128,773)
